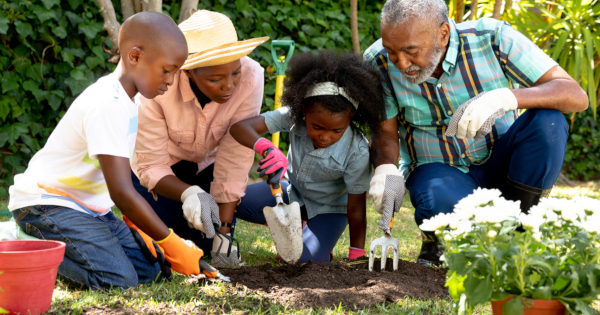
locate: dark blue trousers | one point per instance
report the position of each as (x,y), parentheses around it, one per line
(530,153)
(170,211)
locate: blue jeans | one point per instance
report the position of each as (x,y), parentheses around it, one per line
(530,153)
(170,211)
(320,234)
(101,252)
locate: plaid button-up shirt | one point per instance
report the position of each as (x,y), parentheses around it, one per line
(482,55)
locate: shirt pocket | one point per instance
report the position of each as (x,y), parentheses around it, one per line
(183,137)
(322,173)
(218,131)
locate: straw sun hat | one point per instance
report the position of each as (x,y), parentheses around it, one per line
(212,40)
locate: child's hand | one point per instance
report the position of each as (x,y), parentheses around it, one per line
(355,253)
(183,255)
(274,160)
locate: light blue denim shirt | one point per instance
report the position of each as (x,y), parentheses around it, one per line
(321,179)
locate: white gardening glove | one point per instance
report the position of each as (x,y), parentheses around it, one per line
(387,191)
(475,118)
(200,210)
(224,253)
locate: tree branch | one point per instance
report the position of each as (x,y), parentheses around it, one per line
(127,8)
(110,21)
(354,25)
(460,11)
(474,10)
(152,5)
(497,9)
(188,7)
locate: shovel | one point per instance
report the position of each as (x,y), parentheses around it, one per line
(281,63)
(385,242)
(285,223)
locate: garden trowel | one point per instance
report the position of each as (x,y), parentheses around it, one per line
(285,224)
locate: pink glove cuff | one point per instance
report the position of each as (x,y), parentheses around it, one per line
(354,253)
(262,144)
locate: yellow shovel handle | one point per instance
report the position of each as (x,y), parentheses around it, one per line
(392,223)
(276,190)
(278,92)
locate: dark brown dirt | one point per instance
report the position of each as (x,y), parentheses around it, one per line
(348,282)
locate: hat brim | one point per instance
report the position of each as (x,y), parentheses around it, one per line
(223,54)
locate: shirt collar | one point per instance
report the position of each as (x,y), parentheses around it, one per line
(452,51)
(337,150)
(187,93)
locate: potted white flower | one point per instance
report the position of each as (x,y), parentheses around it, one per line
(547,260)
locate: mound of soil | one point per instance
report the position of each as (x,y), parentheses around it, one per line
(348,282)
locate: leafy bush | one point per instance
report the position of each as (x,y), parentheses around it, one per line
(52,51)
(582,159)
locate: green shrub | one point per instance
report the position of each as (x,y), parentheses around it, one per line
(582,159)
(52,51)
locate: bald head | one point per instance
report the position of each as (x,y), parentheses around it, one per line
(153,49)
(151,32)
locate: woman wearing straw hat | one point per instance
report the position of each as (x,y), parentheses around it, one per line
(186,164)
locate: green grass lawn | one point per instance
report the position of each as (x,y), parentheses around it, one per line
(180,296)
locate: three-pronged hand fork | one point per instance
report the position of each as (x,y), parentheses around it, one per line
(385,242)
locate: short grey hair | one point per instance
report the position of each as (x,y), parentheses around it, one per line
(397,12)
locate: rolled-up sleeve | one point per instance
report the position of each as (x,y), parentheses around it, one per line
(151,160)
(233,160)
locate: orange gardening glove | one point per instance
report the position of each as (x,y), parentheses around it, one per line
(149,248)
(184,256)
(147,239)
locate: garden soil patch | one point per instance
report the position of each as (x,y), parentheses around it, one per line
(348,282)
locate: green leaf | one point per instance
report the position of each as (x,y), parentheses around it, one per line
(75,3)
(39,95)
(59,31)
(3,138)
(30,85)
(455,285)
(92,62)
(478,290)
(10,82)
(90,30)
(24,29)
(513,307)
(76,86)
(4,108)
(67,57)
(13,160)
(50,3)
(534,278)
(28,141)
(73,18)
(43,14)
(14,131)
(3,25)
(560,284)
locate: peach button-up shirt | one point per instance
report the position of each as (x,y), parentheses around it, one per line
(174,127)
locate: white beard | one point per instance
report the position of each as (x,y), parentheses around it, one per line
(423,73)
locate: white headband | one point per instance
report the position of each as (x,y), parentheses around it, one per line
(330,88)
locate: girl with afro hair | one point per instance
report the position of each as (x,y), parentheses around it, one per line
(331,102)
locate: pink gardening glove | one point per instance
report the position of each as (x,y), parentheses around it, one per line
(354,253)
(274,161)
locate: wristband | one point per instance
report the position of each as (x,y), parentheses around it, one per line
(166,238)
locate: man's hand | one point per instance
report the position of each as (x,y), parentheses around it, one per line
(200,210)
(387,191)
(475,118)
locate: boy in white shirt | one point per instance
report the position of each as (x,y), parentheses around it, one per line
(70,185)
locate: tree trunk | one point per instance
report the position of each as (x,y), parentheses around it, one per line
(137,6)
(127,8)
(110,21)
(474,10)
(152,5)
(508,6)
(497,9)
(354,25)
(188,7)
(460,10)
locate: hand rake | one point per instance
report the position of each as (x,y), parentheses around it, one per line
(385,242)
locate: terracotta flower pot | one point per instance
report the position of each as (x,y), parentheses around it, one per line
(29,274)
(539,307)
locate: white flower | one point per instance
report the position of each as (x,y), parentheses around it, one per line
(436,222)
(587,203)
(557,224)
(447,238)
(569,215)
(464,226)
(537,235)
(551,216)
(511,208)
(480,196)
(493,214)
(531,222)
(538,210)
(454,220)
(592,223)
(492,233)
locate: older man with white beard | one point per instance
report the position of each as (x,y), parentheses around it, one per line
(452,113)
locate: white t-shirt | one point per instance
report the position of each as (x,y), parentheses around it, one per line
(66,172)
